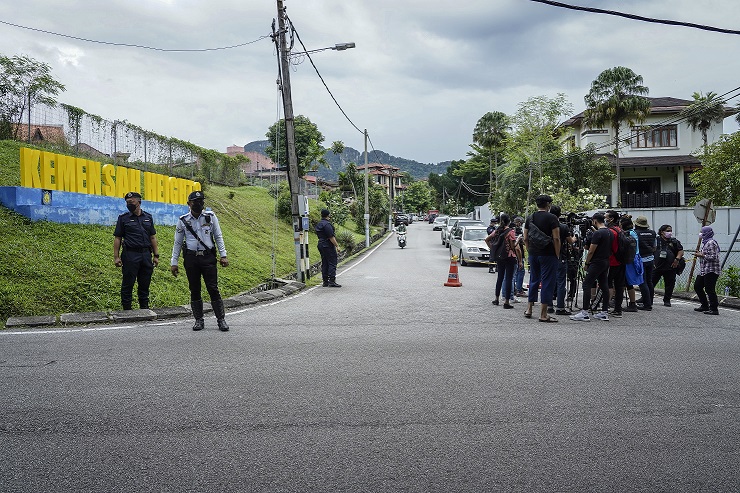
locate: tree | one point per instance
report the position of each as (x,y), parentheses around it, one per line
(704,111)
(490,133)
(719,177)
(306,133)
(418,197)
(616,95)
(24,82)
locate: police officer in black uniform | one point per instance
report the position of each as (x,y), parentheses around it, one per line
(198,235)
(135,231)
(328,248)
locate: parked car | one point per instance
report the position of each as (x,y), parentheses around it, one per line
(457,223)
(468,243)
(444,235)
(439,223)
(401,219)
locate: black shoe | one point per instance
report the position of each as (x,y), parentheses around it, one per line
(701,308)
(616,314)
(199,324)
(666,303)
(334,285)
(222,325)
(631,307)
(646,308)
(550,309)
(507,306)
(711,312)
(326,284)
(563,311)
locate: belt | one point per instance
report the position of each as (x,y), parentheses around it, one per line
(200,253)
(137,249)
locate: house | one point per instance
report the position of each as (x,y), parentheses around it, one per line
(655,157)
(384,174)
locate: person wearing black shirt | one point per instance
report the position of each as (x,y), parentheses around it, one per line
(135,231)
(667,254)
(543,262)
(566,239)
(328,248)
(597,270)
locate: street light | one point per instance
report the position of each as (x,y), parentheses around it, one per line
(337,47)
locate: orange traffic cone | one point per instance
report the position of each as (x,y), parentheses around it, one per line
(452,278)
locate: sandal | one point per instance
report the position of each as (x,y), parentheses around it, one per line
(549,320)
(527,314)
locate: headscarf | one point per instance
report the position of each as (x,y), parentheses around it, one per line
(707,233)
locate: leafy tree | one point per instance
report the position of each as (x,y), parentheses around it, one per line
(333,200)
(616,95)
(418,197)
(719,177)
(313,158)
(379,207)
(24,82)
(704,111)
(306,132)
(490,133)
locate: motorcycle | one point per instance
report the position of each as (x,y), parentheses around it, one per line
(401,237)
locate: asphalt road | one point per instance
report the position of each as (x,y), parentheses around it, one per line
(392,383)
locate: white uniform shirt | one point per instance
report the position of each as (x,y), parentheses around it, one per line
(203,229)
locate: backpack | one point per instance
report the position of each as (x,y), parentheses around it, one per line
(499,248)
(626,247)
(537,239)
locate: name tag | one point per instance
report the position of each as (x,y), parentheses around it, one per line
(663,254)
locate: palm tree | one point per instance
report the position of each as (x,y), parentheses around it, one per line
(616,95)
(704,111)
(490,132)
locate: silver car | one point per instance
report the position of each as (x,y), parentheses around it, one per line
(439,223)
(445,232)
(468,243)
(457,224)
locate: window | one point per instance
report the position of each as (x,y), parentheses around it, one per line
(654,136)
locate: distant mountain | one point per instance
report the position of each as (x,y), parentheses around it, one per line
(339,162)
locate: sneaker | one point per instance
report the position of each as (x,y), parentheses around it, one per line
(646,308)
(515,300)
(701,308)
(581,316)
(603,316)
(666,303)
(615,314)
(711,312)
(563,311)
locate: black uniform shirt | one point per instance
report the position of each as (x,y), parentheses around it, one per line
(135,230)
(325,231)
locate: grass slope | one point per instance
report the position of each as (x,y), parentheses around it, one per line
(50,268)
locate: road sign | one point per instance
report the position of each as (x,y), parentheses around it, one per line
(700,211)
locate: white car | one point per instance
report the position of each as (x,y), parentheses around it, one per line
(468,243)
(447,228)
(439,223)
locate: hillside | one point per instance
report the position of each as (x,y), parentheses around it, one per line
(338,163)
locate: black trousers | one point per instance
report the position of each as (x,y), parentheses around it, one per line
(669,279)
(617,281)
(706,287)
(328,262)
(597,272)
(137,269)
(197,266)
(505,277)
(647,287)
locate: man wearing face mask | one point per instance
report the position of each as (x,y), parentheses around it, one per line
(198,234)
(135,232)
(668,251)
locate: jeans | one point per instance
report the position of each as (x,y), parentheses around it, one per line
(518,280)
(706,287)
(647,288)
(505,275)
(561,278)
(542,270)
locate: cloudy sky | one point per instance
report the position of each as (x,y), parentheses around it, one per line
(422,74)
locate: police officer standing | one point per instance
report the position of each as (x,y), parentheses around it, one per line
(328,248)
(135,231)
(201,235)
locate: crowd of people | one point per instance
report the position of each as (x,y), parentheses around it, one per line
(617,256)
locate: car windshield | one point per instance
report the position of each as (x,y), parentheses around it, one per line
(474,234)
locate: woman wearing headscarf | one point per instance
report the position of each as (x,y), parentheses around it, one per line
(705,285)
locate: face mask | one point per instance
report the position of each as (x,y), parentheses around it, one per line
(131,208)
(667,234)
(197,207)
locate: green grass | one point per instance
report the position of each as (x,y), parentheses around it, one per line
(50,268)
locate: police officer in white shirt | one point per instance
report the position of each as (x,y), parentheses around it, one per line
(198,234)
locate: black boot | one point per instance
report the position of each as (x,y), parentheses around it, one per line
(333,283)
(220,312)
(197,307)
(143,304)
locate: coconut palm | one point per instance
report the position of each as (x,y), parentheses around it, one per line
(490,132)
(704,111)
(616,95)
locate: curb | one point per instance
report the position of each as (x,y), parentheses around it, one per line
(284,288)
(724,301)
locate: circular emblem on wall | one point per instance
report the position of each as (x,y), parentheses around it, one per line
(46,197)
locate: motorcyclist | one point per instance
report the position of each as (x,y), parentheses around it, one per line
(401,228)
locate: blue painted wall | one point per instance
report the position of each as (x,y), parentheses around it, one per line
(81,208)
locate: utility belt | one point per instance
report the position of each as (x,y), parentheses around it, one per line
(137,249)
(200,253)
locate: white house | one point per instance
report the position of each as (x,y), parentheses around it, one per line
(654,157)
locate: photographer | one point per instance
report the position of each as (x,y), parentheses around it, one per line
(567,239)
(597,270)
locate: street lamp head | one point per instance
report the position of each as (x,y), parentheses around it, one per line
(343,46)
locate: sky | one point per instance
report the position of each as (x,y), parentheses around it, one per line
(422,73)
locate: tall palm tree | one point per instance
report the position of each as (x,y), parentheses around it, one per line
(704,111)
(616,95)
(490,132)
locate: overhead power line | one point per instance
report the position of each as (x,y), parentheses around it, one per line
(132,45)
(637,17)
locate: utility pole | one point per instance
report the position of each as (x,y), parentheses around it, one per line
(290,136)
(367,203)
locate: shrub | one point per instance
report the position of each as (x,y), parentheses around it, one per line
(346,240)
(730,278)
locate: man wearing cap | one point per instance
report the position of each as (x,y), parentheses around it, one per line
(198,235)
(646,246)
(328,248)
(135,232)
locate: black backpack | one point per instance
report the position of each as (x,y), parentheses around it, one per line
(626,247)
(536,238)
(499,251)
